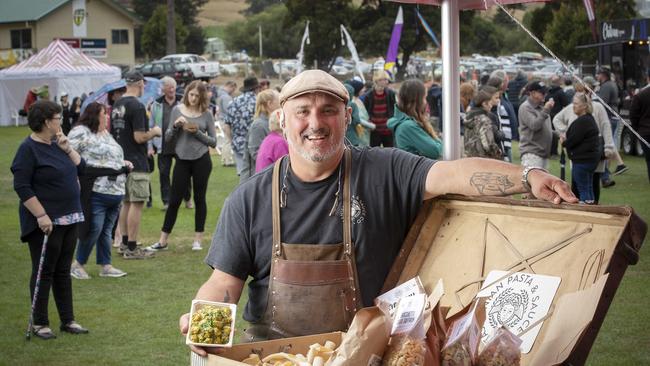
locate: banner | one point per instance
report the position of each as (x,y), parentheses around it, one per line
(393,46)
(428,29)
(353,51)
(591,15)
(301,54)
(79,18)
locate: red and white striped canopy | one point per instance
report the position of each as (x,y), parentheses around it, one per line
(58,57)
(471,4)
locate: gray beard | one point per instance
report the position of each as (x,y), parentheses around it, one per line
(315,157)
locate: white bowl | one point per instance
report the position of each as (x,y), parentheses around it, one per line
(197,305)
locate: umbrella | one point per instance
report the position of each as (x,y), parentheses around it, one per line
(450,61)
(152,90)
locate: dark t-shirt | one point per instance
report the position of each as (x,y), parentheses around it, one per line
(387,187)
(128,115)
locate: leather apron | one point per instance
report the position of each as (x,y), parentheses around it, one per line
(313,288)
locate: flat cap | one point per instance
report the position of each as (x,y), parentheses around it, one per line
(313,81)
(133,76)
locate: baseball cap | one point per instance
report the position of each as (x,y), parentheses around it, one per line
(605,71)
(536,86)
(313,81)
(64,94)
(133,76)
(589,80)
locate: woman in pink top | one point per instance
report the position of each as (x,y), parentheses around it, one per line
(274,145)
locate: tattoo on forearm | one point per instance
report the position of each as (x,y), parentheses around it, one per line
(488,184)
(226,297)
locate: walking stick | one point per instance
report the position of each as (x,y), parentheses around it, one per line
(562,163)
(28,335)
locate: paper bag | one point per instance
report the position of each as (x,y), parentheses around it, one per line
(365,341)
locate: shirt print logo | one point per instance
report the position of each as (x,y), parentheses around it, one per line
(358,210)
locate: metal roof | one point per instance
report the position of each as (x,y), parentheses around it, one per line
(31,10)
(27,10)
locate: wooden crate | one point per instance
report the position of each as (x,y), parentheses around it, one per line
(460,240)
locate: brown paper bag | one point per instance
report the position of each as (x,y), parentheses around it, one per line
(436,335)
(365,341)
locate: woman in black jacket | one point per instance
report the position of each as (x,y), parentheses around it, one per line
(582,142)
(45,171)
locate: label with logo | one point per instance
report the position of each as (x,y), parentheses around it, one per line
(517,302)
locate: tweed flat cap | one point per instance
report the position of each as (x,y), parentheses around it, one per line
(313,81)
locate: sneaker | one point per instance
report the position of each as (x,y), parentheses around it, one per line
(111,272)
(155,247)
(189,204)
(164,207)
(620,169)
(608,183)
(78,272)
(149,204)
(122,248)
(137,253)
(196,246)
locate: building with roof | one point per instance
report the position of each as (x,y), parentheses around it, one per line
(102,29)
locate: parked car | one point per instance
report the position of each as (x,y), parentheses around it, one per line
(160,68)
(201,68)
(629,143)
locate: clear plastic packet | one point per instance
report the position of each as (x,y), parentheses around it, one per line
(389,300)
(464,336)
(407,344)
(501,350)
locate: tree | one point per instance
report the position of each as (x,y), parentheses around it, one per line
(570,27)
(187,10)
(281,38)
(372,26)
(325,19)
(171,28)
(155,33)
(258,6)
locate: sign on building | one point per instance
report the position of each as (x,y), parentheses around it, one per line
(94,47)
(79,16)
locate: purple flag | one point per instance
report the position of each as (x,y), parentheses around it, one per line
(393,47)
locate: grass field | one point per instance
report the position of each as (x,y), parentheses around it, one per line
(133,320)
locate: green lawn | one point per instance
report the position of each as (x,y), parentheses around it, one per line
(133,320)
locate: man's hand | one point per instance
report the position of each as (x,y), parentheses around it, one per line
(184,324)
(156,131)
(550,188)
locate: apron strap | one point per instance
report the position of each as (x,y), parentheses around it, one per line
(347,207)
(275,199)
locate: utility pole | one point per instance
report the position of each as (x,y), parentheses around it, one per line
(171,28)
(260,32)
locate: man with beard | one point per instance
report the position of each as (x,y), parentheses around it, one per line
(308,198)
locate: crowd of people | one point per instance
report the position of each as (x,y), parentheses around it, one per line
(110,148)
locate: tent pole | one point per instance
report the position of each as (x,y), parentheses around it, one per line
(450,80)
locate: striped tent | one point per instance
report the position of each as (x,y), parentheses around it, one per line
(61,67)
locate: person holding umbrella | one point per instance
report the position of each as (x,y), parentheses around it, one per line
(46,170)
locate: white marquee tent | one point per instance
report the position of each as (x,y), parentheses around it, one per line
(61,67)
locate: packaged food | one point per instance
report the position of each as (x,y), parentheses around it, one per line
(464,336)
(365,341)
(389,300)
(501,350)
(212,324)
(316,356)
(407,344)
